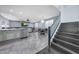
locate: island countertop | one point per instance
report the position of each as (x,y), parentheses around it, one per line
(12,29)
(13,33)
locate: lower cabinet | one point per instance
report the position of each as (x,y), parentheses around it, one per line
(13,34)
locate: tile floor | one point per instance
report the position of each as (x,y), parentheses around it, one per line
(31,45)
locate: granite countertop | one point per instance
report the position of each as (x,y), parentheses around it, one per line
(12,29)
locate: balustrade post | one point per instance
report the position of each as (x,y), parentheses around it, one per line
(49,37)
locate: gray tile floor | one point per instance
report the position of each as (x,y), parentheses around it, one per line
(34,43)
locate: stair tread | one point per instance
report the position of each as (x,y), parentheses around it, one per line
(68,43)
(70,33)
(62,47)
(75,41)
(68,37)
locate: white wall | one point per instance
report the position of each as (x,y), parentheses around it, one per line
(46,24)
(15,24)
(3,22)
(9,16)
(69,13)
(30,25)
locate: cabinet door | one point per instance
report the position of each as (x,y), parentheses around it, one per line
(10,35)
(1,36)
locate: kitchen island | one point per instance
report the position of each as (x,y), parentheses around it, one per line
(13,33)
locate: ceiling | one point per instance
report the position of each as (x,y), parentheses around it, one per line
(32,12)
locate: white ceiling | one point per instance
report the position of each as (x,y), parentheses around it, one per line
(32,12)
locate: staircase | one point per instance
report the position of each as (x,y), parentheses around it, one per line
(63,43)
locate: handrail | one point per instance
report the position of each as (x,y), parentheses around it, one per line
(53,29)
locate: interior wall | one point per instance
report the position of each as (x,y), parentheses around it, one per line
(69,13)
(72,27)
(3,22)
(15,24)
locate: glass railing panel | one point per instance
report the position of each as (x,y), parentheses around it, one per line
(54,25)
(52,28)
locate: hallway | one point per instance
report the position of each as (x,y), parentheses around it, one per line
(34,43)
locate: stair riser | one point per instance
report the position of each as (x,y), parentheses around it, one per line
(68,40)
(59,49)
(72,36)
(71,47)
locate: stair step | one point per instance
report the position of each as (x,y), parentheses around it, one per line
(70,35)
(61,48)
(45,51)
(68,39)
(68,45)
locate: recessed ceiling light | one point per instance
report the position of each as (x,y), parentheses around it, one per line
(42,21)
